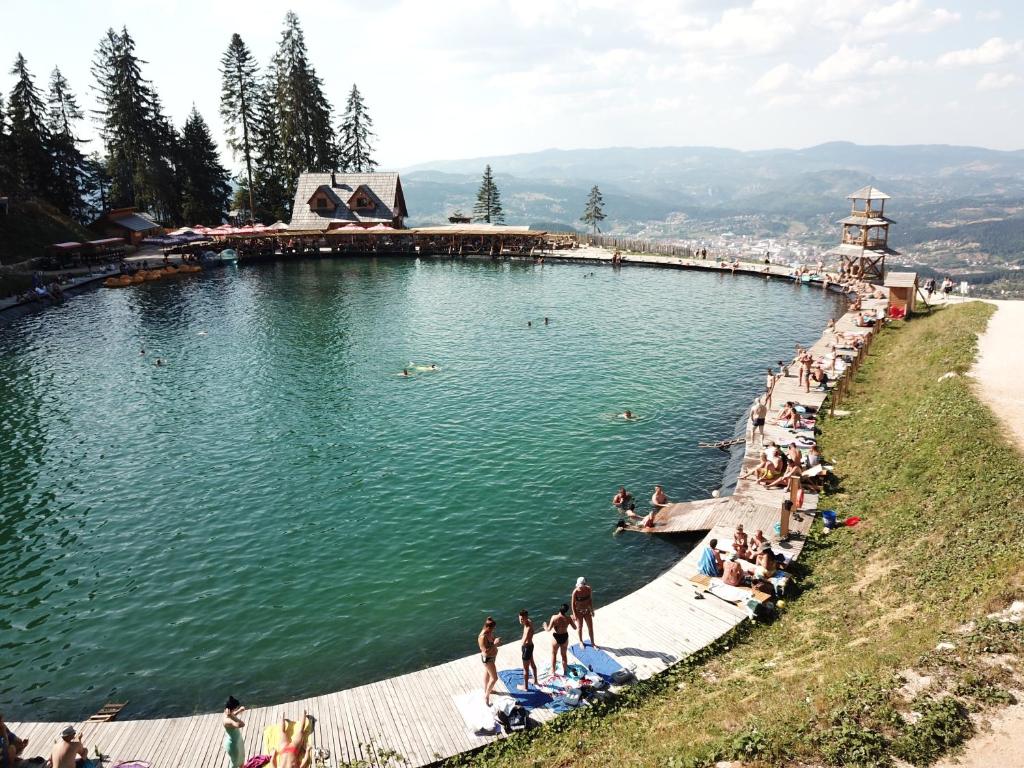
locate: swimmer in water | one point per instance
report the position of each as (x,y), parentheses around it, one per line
(201,333)
(405,372)
(529,323)
(142,351)
(545,321)
(159,362)
(628,415)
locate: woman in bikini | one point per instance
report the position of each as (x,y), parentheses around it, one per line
(558,626)
(582,602)
(488,645)
(292,752)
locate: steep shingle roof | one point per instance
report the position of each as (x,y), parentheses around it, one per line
(386,192)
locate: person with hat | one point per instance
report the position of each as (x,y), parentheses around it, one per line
(582,602)
(69,752)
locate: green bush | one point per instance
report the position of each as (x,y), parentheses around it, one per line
(944,724)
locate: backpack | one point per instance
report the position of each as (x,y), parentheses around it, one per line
(518,720)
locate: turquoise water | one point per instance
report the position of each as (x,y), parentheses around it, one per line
(276,513)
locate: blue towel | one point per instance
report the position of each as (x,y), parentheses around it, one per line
(596,661)
(707,564)
(530,699)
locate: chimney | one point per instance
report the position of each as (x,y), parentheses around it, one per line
(334,181)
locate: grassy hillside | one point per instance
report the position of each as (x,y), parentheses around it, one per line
(30,227)
(850,675)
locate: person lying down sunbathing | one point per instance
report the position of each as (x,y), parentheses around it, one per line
(294,752)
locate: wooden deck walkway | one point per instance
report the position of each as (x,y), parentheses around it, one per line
(416,714)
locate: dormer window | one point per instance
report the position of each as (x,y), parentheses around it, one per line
(322,203)
(362,201)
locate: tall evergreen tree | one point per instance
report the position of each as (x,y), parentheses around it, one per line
(270,185)
(28,139)
(6,172)
(204,182)
(354,148)
(139,139)
(488,200)
(95,186)
(593,213)
(68,161)
(239,103)
(304,122)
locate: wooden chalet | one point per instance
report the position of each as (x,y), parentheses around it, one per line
(128,223)
(326,201)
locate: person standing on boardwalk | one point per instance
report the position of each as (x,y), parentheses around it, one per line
(233,725)
(488,645)
(582,602)
(769,386)
(527,648)
(757,416)
(558,626)
(806,362)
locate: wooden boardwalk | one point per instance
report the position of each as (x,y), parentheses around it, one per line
(416,714)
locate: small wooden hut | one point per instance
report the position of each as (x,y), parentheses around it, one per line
(902,288)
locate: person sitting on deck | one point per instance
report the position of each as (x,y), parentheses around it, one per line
(292,752)
(732,572)
(70,752)
(658,498)
(775,466)
(820,378)
(740,542)
(622,498)
(11,746)
(765,564)
(710,561)
(756,542)
(793,470)
(789,417)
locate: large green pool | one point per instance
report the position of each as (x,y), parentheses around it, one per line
(276,513)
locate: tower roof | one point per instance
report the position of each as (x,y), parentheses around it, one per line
(867,193)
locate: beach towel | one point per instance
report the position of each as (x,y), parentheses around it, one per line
(134,764)
(273,740)
(479,718)
(596,661)
(535,697)
(256,761)
(707,564)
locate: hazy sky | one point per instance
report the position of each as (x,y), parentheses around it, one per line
(463,78)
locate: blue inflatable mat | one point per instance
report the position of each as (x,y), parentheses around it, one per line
(530,699)
(596,660)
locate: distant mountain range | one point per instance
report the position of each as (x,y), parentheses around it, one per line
(938,191)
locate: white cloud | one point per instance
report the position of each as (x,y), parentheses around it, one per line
(996,81)
(775,78)
(903,16)
(846,63)
(990,15)
(992,51)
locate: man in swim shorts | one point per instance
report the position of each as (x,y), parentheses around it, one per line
(67,751)
(527,649)
(558,626)
(757,416)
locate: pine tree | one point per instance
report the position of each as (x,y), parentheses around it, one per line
(27,139)
(204,182)
(270,187)
(239,103)
(488,200)
(140,141)
(354,151)
(68,161)
(593,214)
(6,172)
(95,186)
(304,114)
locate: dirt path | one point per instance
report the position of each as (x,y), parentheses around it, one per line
(999,372)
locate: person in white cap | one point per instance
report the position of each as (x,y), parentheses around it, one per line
(582,603)
(68,750)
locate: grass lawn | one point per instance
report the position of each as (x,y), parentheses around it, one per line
(850,673)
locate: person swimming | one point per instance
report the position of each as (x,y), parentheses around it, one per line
(627,415)
(405,372)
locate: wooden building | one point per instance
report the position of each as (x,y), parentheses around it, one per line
(865,239)
(128,223)
(902,292)
(326,201)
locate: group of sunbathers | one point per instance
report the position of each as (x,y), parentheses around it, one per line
(751,562)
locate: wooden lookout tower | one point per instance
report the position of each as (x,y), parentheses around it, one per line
(865,242)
